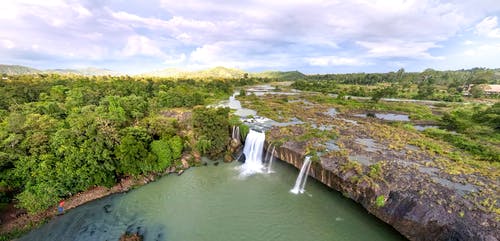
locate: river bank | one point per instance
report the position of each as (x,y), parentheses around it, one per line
(17,221)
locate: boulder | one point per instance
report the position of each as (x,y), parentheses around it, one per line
(235,143)
(185,162)
(197,156)
(131,237)
(228,158)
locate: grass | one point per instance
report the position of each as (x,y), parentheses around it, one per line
(375,170)
(380,201)
(415,111)
(481,150)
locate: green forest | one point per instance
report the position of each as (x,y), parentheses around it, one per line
(63,134)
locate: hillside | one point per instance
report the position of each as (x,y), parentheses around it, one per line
(223,72)
(217,72)
(288,75)
(17,69)
(89,71)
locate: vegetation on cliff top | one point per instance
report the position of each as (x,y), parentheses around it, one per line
(61,135)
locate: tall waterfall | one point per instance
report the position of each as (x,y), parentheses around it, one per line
(254,147)
(300,183)
(269,158)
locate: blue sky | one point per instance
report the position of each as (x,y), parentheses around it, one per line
(312,36)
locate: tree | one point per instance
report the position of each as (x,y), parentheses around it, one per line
(477,91)
(133,152)
(211,126)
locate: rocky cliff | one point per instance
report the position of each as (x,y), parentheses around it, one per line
(408,199)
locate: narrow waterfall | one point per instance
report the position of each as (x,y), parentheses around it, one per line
(300,183)
(236,133)
(269,158)
(253,150)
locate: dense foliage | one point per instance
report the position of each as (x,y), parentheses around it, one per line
(61,135)
(477,130)
(429,84)
(211,130)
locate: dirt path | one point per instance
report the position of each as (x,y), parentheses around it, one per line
(17,219)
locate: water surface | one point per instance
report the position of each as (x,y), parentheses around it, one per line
(216,203)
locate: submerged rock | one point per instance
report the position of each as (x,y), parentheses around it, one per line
(228,158)
(107,208)
(185,163)
(131,237)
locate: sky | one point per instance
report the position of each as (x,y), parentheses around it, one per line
(312,36)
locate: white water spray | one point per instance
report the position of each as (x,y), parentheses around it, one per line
(300,183)
(254,147)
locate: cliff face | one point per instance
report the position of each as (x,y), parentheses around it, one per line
(407,200)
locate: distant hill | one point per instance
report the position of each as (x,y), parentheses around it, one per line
(85,71)
(217,72)
(223,72)
(288,75)
(17,69)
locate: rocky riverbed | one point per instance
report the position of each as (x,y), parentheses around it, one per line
(426,189)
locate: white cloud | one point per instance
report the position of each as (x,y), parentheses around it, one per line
(334,61)
(8,44)
(398,48)
(479,54)
(235,54)
(175,25)
(141,45)
(261,34)
(488,27)
(175,60)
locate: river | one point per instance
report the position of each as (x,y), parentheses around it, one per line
(215,203)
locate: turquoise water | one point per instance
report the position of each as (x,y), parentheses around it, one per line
(214,203)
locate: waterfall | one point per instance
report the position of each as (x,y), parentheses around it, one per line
(254,146)
(236,133)
(269,158)
(300,183)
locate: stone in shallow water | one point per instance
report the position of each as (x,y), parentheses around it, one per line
(392,117)
(107,208)
(365,160)
(462,189)
(331,112)
(332,146)
(369,144)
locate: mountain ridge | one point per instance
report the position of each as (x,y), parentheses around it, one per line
(20,70)
(216,72)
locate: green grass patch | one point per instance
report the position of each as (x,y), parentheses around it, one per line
(380,201)
(482,151)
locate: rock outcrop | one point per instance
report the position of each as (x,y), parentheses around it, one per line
(399,197)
